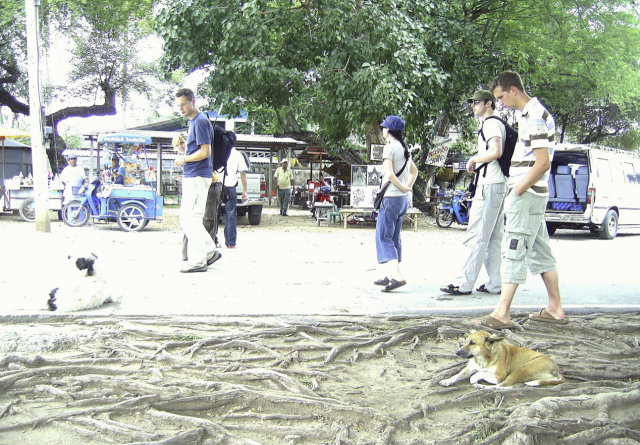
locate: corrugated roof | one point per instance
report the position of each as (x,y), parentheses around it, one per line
(252,140)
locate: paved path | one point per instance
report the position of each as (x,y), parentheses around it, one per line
(289,271)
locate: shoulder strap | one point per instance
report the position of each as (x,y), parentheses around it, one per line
(484,166)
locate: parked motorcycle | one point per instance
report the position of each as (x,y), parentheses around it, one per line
(455,207)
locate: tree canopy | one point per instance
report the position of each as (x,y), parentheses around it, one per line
(341,65)
(105,63)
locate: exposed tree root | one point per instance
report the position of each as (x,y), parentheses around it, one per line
(333,381)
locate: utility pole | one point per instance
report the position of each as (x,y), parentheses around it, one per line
(38,155)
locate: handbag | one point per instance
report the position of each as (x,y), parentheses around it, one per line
(377,202)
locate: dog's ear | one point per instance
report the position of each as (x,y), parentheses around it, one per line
(493,340)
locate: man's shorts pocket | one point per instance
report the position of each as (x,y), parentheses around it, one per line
(515,247)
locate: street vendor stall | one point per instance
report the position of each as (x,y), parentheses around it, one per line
(132,204)
(17,191)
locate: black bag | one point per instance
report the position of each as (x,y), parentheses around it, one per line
(223,142)
(507,152)
(377,202)
(224,195)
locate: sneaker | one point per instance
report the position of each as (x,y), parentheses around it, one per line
(231,247)
(215,257)
(192,268)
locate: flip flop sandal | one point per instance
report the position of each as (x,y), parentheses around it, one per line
(489,322)
(393,284)
(483,288)
(454,290)
(546,317)
(382,282)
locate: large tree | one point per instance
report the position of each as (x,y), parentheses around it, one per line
(105,64)
(341,65)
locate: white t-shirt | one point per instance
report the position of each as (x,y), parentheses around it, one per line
(72,177)
(395,151)
(491,128)
(235,165)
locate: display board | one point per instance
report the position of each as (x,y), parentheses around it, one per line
(365,183)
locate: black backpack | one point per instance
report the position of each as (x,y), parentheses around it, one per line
(507,151)
(223,142)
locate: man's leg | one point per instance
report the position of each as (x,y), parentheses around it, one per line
(200,244)
(470,270)
(281,199)
(185,246)
(541,260)
(230,229)
(514,251)
(285,203)
(493,258)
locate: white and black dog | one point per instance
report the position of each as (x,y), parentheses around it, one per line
(85,288)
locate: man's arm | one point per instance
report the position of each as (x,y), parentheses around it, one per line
(243,178)
(494,152)
(203,153)
(541,166)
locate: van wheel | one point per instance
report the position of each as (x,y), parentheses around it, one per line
(241,211)
(551,228)
(609,225)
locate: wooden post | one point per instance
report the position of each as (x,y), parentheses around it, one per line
(159,167)
(38,155)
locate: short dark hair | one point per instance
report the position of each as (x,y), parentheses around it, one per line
(186,92)
(506,80)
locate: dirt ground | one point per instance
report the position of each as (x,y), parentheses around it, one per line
(292,380)
(334,379)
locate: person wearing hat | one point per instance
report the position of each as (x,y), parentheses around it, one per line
(401,173)
(284,181)
(486,218)
(117,171)
(72,176)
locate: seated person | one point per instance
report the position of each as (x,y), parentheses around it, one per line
(117,171)
(323,196)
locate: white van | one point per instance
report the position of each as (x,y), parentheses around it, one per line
(595,187)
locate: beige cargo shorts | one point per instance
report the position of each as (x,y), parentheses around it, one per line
(526,241)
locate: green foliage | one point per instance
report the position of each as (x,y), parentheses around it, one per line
(73,141)
(337,65)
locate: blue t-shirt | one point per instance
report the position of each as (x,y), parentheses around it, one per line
(120,179)
(200,132)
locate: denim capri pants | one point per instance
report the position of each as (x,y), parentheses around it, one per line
(388,227)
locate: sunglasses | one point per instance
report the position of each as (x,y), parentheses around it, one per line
(476,102)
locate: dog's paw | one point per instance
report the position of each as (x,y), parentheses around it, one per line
(475,378)
(481,386)
(447,382)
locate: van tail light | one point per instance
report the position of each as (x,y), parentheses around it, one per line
(591,195)
(263,187)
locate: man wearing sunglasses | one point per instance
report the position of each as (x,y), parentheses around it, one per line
(486,222)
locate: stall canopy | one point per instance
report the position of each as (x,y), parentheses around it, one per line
(125,139)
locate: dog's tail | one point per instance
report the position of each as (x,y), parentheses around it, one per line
(545,382)
(52,299)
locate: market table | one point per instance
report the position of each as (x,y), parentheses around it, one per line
(412,215)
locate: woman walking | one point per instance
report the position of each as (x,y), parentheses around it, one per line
(401,172)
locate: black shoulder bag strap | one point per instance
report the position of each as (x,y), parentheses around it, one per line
(397,174)
(486,164)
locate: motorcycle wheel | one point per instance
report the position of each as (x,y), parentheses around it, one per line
(75,214)
(444,218)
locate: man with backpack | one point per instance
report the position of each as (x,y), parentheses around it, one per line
(486,221)
(526,240)
(196,180)
(235,164)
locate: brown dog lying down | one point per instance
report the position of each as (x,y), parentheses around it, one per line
(496,361)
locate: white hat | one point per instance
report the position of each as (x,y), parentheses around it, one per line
(284,160)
